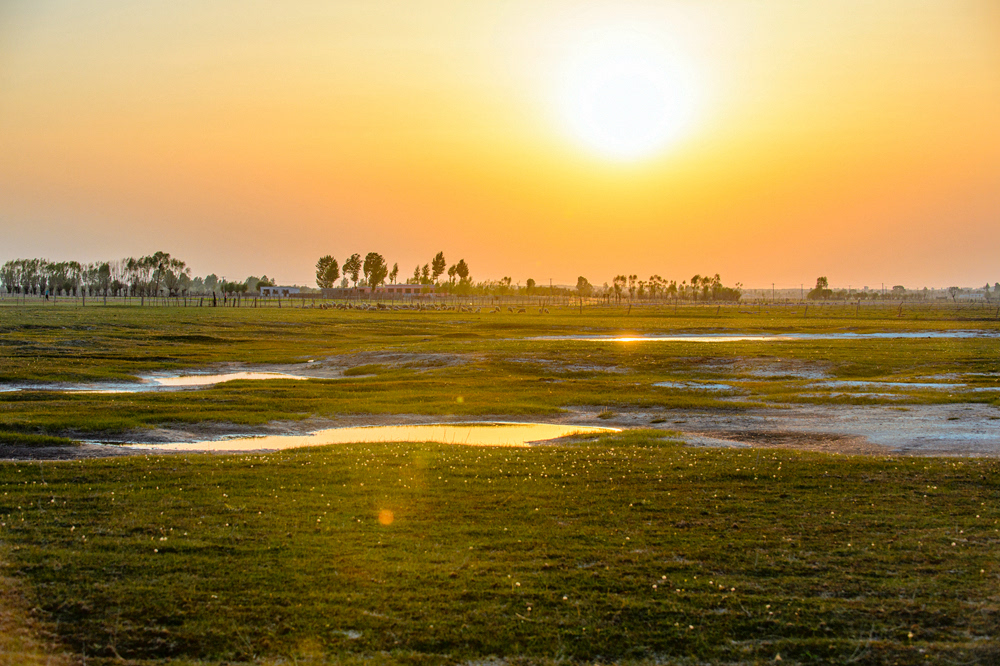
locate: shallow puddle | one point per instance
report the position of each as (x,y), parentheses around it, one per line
(470,434)
(782,337)
(156,382)
(905,386)
(696,386)
(208,380)
(852,383)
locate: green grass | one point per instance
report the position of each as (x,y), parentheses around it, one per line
(224,559)
(486,360)
(548,554)
(8,438)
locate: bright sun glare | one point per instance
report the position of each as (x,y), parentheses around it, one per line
(625,98)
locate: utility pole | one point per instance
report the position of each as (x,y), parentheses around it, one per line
(772,292)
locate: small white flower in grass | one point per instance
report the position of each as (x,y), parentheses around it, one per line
(565,598)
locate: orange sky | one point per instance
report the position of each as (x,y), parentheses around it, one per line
(856,140)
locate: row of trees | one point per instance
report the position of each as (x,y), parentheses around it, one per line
(376,272)
(700,288)
(158,274)
(373,267)
(822,291)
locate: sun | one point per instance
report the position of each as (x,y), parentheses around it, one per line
(625,98)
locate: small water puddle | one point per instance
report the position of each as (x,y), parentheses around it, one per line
(469,434)
(696,386)
(157,382)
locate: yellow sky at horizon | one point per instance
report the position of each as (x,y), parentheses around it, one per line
(856,140)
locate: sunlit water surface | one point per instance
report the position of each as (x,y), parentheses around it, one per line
(155,383)
(479,434)
(779,337)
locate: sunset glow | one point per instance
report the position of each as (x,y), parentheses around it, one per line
(769,142)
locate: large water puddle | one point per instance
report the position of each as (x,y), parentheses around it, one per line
(904,386)
(468,434)
(778,337)
(157,382)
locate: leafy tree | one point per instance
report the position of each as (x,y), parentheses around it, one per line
(352,268)
(393,274)
(655,284)
(529,286)
(175,277)
(462,270)
(425,274)
(583,287)
(954,292)
(438,264)
(618,284)
(375,269)
(821,290)
(452,272)
(327,272)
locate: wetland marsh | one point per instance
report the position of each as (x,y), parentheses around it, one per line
(733,518)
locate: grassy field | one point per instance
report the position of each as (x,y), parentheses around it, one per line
(424,363)
(627,547)
(624,548)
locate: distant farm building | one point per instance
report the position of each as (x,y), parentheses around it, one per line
(391,290)
(278,292)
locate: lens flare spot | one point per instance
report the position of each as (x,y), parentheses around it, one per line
(385,517)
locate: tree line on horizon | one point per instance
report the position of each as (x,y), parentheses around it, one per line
(375,272)
(372,272)
(155,275)
(823,292)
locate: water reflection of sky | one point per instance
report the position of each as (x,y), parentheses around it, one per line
(156,382)
(777,337)
(478,434)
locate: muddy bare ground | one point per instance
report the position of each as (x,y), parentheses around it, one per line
(950,430)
